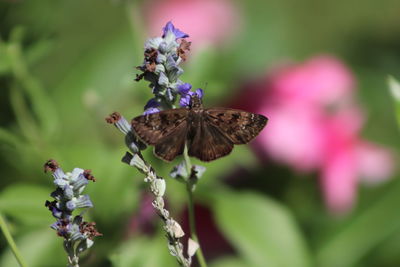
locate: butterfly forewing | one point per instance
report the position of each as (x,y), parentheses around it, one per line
(173,144)
(209,143)
(239,126)
(154,127)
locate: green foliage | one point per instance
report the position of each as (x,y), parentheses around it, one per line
(362,232)
(262,230)
(142,252)
(40,248)
(229,262)
(25,203)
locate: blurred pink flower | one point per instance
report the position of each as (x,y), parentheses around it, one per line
(206,21)
(288,127)
(321,80)
(314,125)
(339,170)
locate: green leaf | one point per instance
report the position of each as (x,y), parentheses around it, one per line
(262,230)
(26,204)
(228,262)
(40,102)
(9,138)
(42,248)
(394,87)
(362,232)
(23,115)
(38,51)
(143,252)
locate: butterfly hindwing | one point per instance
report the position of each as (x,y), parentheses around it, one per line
(153,127)
(240,127)
(209,143)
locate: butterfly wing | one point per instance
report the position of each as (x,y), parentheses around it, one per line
(239,126)
(173,144)
(208,142)
(154,127)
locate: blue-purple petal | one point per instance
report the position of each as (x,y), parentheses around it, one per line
(199,93)
(58,173)
(178,33)
(151,111)
(152,103)
(183,89)
(56,212)
(71,205)
(185,100)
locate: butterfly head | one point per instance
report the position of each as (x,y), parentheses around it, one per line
(195,102)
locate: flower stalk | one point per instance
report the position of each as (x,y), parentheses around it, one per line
(157,186)
(173,230)
(191,180)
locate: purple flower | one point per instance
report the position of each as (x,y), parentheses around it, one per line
(199,93)
(151,107)
(151,111)
(152,103)
(57,213)
(170,27)
(185,100)
(80,202)
(68,198)
(62,227)
(183,89)
(186,94)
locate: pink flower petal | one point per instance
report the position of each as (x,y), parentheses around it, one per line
(293,136)
(339,182)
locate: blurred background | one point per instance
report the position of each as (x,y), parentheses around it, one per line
(318,187)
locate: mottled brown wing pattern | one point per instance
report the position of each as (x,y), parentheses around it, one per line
(152,128)
(239,126)
(209,143)
(173,144)
(209,133)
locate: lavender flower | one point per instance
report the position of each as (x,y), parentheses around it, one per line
(78,235)
(160,67)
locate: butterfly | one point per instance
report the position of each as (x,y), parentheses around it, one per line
(208,133)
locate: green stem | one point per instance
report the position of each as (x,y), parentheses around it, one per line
(188,164)
(11,243)
(192,221)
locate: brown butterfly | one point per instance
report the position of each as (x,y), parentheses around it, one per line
(208,133)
